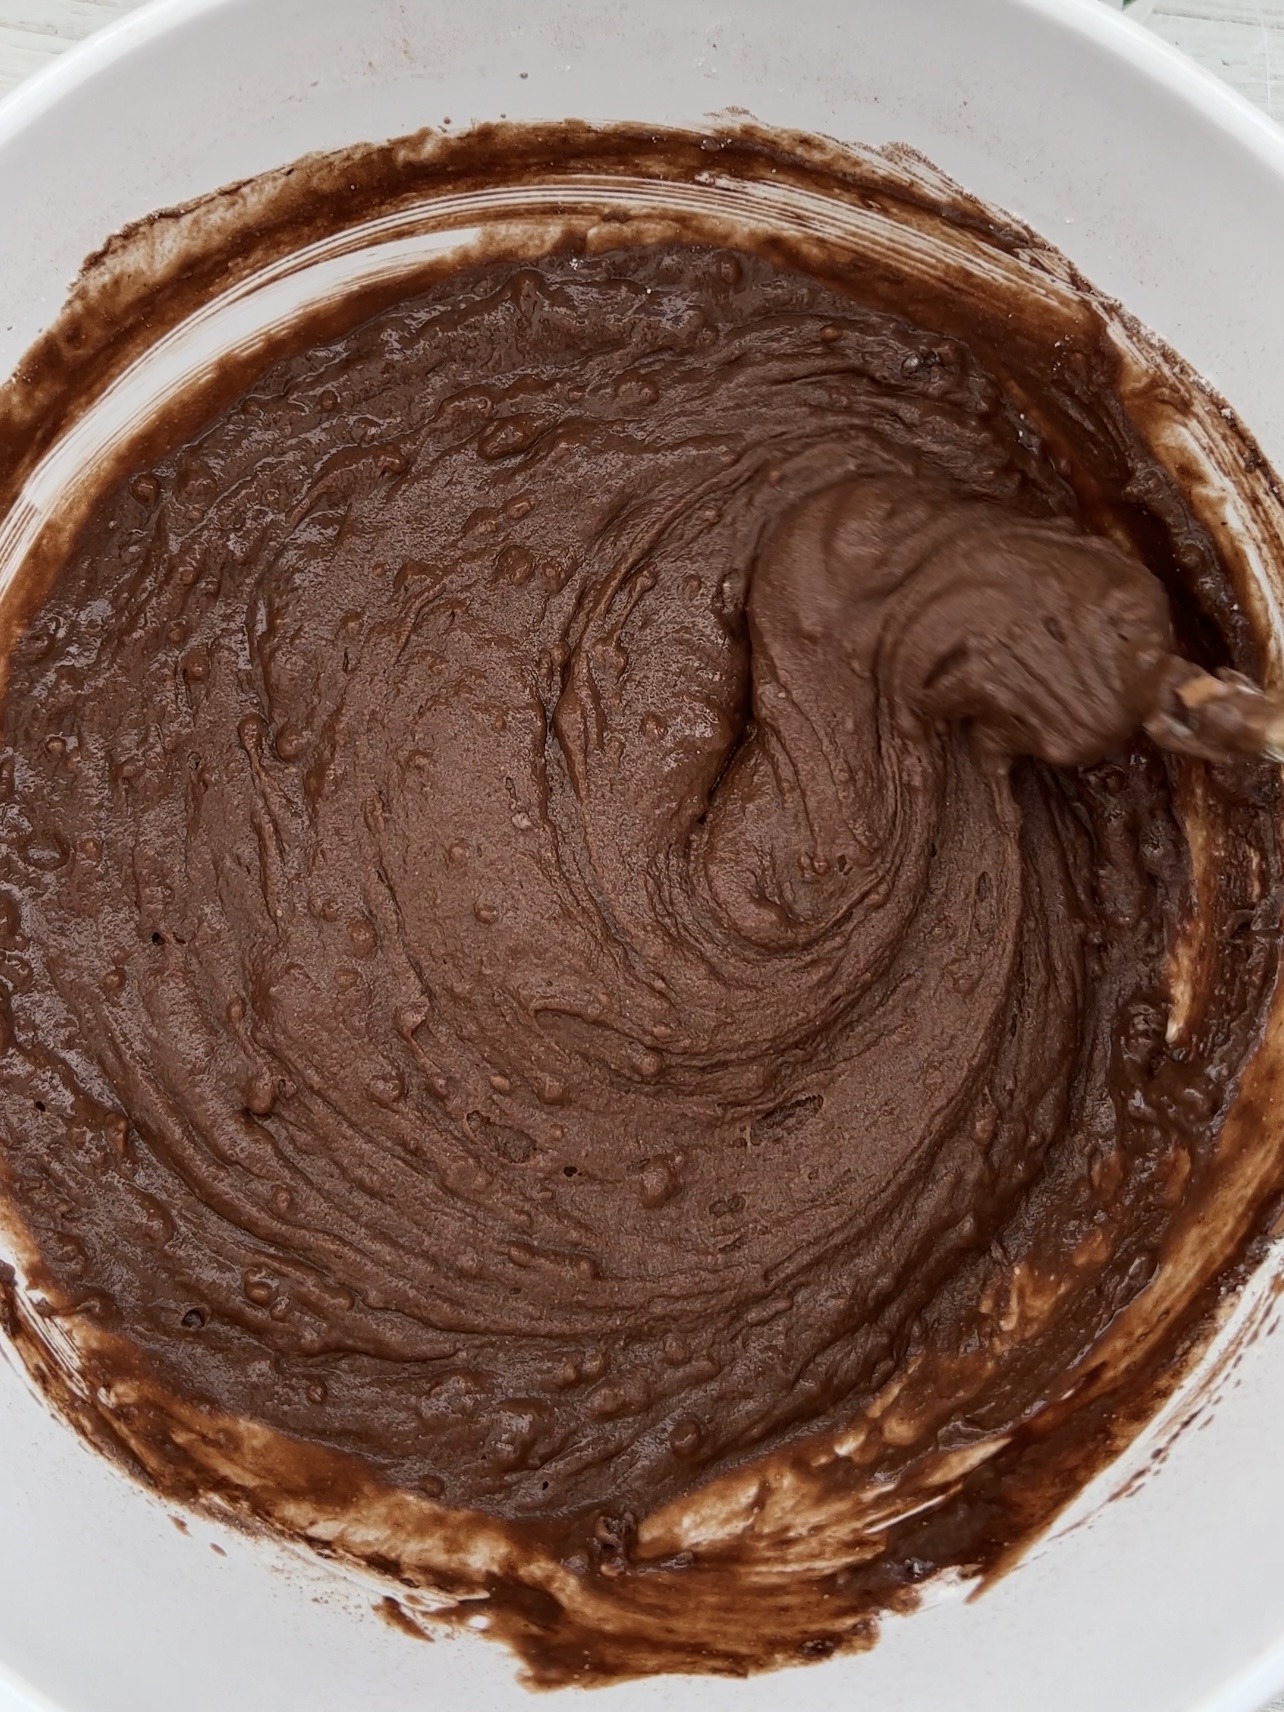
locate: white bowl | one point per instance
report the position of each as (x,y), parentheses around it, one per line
(1168,192)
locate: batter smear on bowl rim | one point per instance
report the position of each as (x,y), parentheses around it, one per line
(606,997)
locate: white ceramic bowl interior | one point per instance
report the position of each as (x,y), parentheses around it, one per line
(1169,193)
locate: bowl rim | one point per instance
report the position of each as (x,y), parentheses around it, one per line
(1123,36)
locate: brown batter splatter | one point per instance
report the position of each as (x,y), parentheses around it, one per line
(584,904)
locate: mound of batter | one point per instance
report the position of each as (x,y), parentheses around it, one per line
(579,869)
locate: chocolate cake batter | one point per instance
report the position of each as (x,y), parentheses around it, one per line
(582,877)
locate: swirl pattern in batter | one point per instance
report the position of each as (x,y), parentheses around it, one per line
(579,875)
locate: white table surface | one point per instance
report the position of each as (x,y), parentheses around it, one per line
(1241,40)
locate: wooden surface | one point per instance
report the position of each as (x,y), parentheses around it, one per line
(1241,40)
(32,32)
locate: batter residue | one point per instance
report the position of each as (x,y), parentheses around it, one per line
(581,883)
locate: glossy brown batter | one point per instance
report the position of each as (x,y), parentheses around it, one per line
(581,878)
